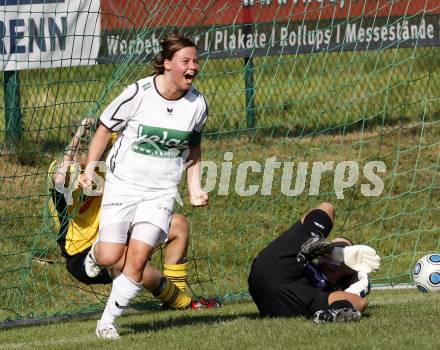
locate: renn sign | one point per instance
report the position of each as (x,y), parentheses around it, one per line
(43,33)
(49,33)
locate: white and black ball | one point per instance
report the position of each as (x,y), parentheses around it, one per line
(426,273)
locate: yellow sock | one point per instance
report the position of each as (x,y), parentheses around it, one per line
(177,273)
(174,297)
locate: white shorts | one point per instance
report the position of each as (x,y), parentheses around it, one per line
(120,212)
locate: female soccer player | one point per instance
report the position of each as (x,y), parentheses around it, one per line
(76,217)
(285,283)
(158,119)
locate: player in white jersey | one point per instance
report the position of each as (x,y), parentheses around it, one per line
(159,121)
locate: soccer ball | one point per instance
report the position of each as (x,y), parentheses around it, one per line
(426,273)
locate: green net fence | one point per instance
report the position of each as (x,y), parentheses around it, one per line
(292,86)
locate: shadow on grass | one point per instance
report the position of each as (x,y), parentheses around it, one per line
(187,320)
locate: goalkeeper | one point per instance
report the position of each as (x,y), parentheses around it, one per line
(284,282)
(78,224)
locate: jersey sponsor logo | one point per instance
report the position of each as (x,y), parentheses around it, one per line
(161,142)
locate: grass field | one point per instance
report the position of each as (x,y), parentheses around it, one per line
(395,319)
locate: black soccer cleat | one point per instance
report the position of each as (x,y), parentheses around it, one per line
(345,314)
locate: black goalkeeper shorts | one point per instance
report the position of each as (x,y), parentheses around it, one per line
(75,265)
(277,282)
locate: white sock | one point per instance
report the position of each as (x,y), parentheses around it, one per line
(123,291)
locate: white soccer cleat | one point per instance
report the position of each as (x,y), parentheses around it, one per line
(108,331)
(91,265)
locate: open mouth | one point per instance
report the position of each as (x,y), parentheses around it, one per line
(190,76)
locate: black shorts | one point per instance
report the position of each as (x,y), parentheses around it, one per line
(277,282)
(74,263)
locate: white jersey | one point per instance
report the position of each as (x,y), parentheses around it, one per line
(153,134)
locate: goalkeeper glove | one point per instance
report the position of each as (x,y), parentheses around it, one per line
(313,248)
(360,258)
(362,287)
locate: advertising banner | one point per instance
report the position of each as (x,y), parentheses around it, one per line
(131,29)
(49,33)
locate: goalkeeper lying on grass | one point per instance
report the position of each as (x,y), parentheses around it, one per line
(78,223)
(284,281)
